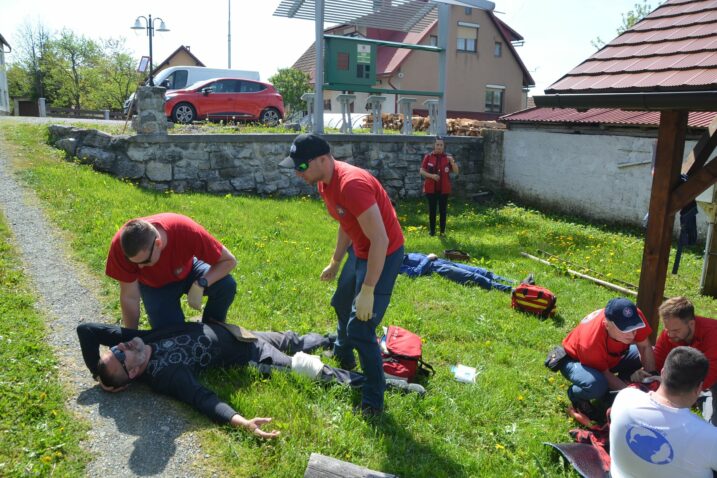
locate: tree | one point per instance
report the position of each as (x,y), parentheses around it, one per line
(74,69)
(291,84)
(117,69)
(32,56)
(629,20)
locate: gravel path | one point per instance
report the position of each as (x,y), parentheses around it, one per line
(134,433)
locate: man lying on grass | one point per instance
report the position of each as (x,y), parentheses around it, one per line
(169,360)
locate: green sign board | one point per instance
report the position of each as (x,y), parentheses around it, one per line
(350,62)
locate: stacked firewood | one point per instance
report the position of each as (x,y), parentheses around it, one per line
(454,127)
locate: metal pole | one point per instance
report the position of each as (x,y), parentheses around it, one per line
(150,33)
(444,18)
(229,36)
(319,71)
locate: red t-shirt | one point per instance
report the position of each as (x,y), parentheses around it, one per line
(705,340)
(350,193)
(437,164)
(590,344)
(185,240)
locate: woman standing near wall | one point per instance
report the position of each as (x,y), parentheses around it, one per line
(435,169)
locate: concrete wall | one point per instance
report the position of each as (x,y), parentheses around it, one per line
(249,163)
(4,93)
(603,177)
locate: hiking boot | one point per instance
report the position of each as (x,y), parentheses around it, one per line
(404,386)
(529,279)
(582,410)
(329,340)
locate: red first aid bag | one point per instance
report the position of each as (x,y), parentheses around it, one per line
(533,299)
(401,351)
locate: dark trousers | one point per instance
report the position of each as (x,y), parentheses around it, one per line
(357,334)
(275,348)
(441,200)
(163,306)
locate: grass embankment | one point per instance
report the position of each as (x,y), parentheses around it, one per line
(492,428)
(38,436)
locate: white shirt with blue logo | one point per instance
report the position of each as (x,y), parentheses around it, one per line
(649,439)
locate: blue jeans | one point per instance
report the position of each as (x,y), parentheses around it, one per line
(162,303)
(589,383)
(356,334)
(465,274)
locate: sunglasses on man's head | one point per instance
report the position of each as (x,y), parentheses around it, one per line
(120,356)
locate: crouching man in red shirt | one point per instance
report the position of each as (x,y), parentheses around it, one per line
(162,257)
(605,349)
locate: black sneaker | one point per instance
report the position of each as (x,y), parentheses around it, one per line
(529,279)
(404,386)
(367,411)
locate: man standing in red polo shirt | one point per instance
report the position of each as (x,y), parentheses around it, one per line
(369,231)
(609,341)
(158,259)
(681,327)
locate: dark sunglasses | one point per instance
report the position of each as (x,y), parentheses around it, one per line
(301,167)
(149,257)
(120,356)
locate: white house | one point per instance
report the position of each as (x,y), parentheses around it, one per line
(4,95)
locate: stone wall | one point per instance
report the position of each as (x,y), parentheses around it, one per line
(224,164)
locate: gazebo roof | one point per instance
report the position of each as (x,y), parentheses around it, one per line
(401,15)
(666,61)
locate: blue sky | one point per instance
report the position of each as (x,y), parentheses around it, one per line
(557,32)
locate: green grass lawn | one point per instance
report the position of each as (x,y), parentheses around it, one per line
(38,436)
(494,427)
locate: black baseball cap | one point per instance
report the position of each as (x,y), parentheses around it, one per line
(623,313)
(305,147)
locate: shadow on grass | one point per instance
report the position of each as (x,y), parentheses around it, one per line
(416,459)
(148,425)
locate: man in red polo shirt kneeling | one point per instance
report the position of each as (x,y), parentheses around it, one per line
(604,350)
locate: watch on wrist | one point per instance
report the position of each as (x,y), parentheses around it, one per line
(202,282)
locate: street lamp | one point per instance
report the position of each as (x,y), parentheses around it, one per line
(149,26)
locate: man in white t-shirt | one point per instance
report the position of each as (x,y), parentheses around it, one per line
(655,434)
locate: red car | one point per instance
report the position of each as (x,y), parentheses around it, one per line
(227,99)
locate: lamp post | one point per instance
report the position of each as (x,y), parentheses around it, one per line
(149,26)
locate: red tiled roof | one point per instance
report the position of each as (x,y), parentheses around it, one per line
(602,116)
(674,48)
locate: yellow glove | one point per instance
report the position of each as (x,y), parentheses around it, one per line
(329,272)
(364,303)
(194,296)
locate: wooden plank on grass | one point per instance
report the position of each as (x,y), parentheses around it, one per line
(321,466)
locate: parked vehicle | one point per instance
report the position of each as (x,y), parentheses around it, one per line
(178,77)
(225,98)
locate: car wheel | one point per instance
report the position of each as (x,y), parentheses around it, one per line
(270,117)
(184,113)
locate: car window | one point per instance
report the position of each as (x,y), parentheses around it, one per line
(180,79)
(226,86)
(251,87)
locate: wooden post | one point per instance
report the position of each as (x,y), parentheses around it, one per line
(666,177)
(321,466)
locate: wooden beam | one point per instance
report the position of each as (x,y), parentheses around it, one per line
(321,466)
(701,174)
(666,178)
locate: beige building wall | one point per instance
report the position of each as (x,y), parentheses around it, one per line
(468,73)
(180,59)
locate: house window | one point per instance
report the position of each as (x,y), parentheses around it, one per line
(327,105)
(498,50)
(433,40)
(494,98)
(467,37)
(468,10)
